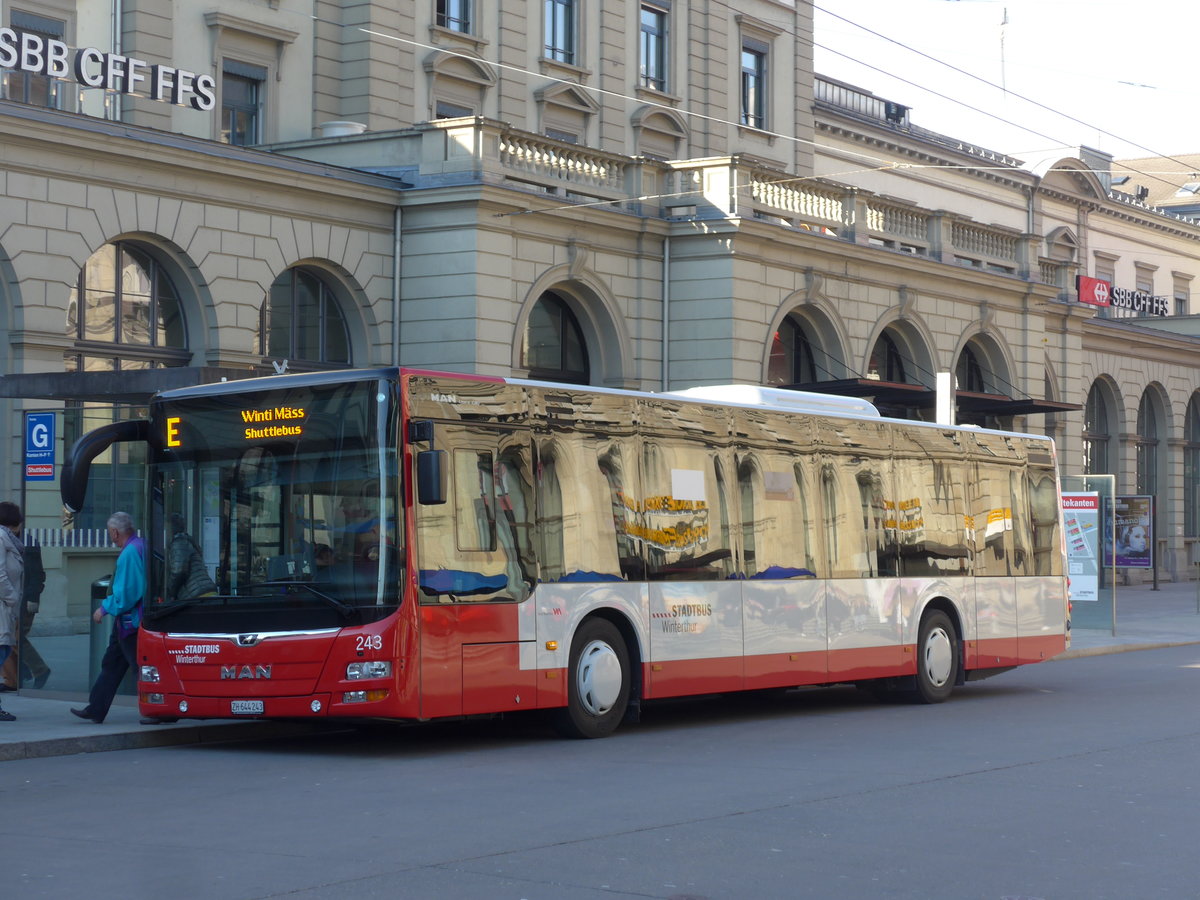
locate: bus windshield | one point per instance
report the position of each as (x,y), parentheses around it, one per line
(275,510)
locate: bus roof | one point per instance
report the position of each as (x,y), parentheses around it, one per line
(776,398)
(745,395)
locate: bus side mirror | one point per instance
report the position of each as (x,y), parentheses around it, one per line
(431,477)
(73,485)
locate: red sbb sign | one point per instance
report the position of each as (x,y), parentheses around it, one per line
(1093,290)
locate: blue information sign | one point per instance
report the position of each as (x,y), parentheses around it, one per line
(39,446)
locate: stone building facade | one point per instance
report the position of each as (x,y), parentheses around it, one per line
(648,195)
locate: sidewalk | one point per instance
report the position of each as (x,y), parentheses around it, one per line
(1146,619)
(45,727)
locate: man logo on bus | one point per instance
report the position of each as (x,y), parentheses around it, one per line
(236,673)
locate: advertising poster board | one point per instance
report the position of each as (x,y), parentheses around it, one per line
(1133,525)
(1081,518)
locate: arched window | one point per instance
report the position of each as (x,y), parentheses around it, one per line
(1146,445)
(124,313)
(302,322)
(969,372)
(1096,433)
(887,362)
(1191,468)
(792,359)
(553,347)
(976,373)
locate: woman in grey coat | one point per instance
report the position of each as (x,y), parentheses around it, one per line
(12,578)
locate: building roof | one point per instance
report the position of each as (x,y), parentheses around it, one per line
(1171,183)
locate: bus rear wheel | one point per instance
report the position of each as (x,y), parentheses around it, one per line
(598,682)
(937,658)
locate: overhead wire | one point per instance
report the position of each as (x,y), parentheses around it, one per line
(991,84)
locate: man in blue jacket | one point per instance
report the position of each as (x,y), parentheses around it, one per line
(124,604)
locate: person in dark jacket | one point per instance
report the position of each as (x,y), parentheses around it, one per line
(187,575)
(33,667)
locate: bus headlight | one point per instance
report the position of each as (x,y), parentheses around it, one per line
(378,668)
(149,673)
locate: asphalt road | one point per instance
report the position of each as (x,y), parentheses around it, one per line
(1073,779)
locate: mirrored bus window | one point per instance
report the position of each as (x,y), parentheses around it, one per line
(859,506)
(1046,539)
(930,506)
(683,515)
(993,465)
(479,546)
(583,515)
(778,496)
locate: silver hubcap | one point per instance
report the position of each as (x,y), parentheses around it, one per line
(939,657)
(598,678)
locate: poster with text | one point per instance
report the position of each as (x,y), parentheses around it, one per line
(1081,518)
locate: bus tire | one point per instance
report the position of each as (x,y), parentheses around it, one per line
(598,682)
(937,658)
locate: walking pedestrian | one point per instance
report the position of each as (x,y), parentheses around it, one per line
(33,668)
(12,576)
(124,604)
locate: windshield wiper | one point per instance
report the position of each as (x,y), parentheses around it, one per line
(344,609)
(166,610)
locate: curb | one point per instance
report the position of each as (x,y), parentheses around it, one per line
(164,737)
(1083,652)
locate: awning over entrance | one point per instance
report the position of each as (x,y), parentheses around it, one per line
(900,395)
(133,386)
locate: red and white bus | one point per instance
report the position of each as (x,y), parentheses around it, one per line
(401,544)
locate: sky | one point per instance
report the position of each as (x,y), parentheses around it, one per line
(1111,76)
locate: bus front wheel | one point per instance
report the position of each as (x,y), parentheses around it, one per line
(937,659)
(598,682)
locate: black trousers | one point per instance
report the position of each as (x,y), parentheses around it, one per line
(118,658)
(29,659)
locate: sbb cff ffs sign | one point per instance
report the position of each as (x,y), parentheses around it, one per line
(1098,292)
(88,67)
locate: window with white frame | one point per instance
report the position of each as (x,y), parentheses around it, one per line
(30,87)
(454,15)
(560,31)
(250,56)
(754,83)
(1182,293)
(653,45)
(243,89)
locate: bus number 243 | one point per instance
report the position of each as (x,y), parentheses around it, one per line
(369,642)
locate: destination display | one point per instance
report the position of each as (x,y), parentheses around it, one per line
(259,424)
